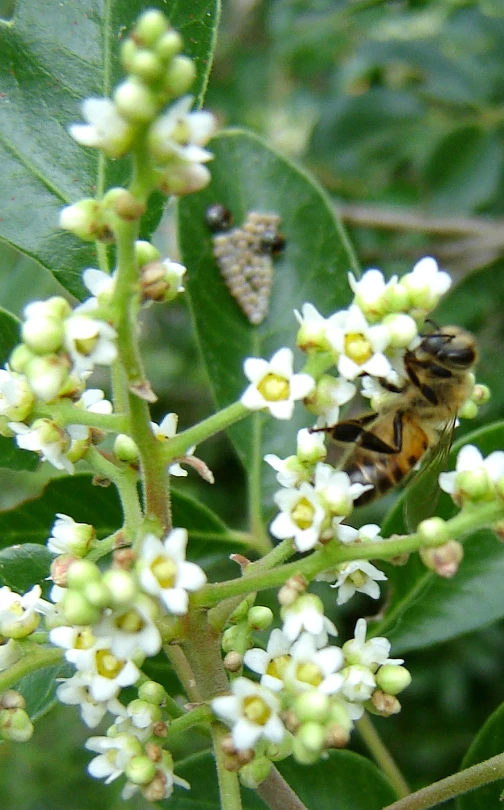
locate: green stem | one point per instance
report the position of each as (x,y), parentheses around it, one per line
(183,671)
(382,755)
(330,556)
(456,785)
(255,484)
(106,546)
(65,413)
(201,714)
(229,788)
(100,247)
(35,658)
(155,478)
(278,794)
(177,447)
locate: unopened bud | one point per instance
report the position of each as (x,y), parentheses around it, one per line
(84,219)
(169,45)
(179,76)
(312,705)
(59,569)
(125,449)
(145,252)
(152,692)
(402,329)
(233,661)
(383,704)
(140,770)
(290,592)
(255,772)
(122,586)
(259,617)
(146,65)
(43,335)
(336,736)
(123,203)
(10,699)
(47,374)
(81,573)
(135,101)
(433,530)
(393,679)
(77,610)
(150,26)
(15,725)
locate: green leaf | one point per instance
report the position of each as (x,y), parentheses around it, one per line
(424,608)
(461,171)
(22,567)
(354,780)
(54,55)
(39,688)
(488,743)
(248,175)
(10,330)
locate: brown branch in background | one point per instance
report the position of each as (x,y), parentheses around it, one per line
(469,243)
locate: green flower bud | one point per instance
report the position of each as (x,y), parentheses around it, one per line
(15,725)
(81,573)
(140,770)
(179,76)
(279,751)
(240,612)
(339,715)
(150,26)
(123,203)
(84,219)
(19,357)
(127,53)
(443,560)
(480,394)
(152,692)
(311,736)
(169,45)
(402,329)
(474,485)
(230,638)
(312,706)
(145,252)
(393,679)
(469,410)
(76,609)
(255,772)
(97,594)
(122,586)
(47,375)
(135,101)
(433,530)
(146,65)
(125,449)
(260,617)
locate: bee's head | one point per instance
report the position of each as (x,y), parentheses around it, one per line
(451,347)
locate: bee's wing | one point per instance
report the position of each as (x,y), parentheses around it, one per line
(423,493)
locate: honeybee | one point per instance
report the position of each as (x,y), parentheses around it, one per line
(416,417)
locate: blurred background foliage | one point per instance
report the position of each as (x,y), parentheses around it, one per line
(398,110)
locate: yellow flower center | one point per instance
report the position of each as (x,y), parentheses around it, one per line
(107,664)
(358,578)
(308,672)
(276,668)
(165,571)
(84,640)
(181,132)
(357,348)
(130,622)
(85,346)
(256,710)
(303,513)
(274,388)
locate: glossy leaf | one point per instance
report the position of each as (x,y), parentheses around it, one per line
(39,688)
(425,609)
(53,56)
(488,743)
(248,175)
(21,567)
(355,781)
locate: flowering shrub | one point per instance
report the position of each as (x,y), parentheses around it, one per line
(115,601)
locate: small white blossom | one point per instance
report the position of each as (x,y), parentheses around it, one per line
(290,471)
(370,292)
(100,285)
(69,537)
(312,329)
(167,430)
(331,393)
(271,662)
(47,439)
(426,284)
(372,654)
(251,712)
(273,385)
(307,614)
(336,491)
(16,396)
(106,129)
(471,460)
(107,673)
(164,572)
(129,631)
(360,576)
(359,346)
(180,134)
(369,533)
(114,755)
(312,668)
(74,691)
(301,516)
(18,612)
(89,342)
(358,683)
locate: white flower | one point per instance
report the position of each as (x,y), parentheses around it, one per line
(360,576)
(369,533)
(426,284)
(307,614)
(331,393)
(180,134)
(71,638)
(106,129)
(470,460)
(273,385)
(336,491)
(272,662)
(47,439)
(107,673)
(18,612)
(370,292)
(312,329)
(164,572)
(311,668)
(290,471)
(167,430)
(74,691)
(360,347)
(358,683)
(372,654)
(115,754)
(69,537)
(252,712)
(129,631)
(89,342)
(100,285)
(16,396)
(301,516)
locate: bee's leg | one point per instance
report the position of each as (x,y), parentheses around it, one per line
(353,431)
(424,389)
(352,424)
(394,389)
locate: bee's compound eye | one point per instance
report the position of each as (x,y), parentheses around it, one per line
(458,356)
(218,218)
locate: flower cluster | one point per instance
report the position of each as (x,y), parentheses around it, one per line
(309,688)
